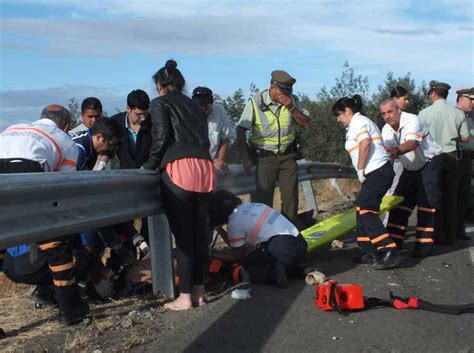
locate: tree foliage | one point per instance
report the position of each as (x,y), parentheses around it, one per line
(324,140)
(75,111)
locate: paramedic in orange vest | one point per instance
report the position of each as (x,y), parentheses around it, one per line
(375,173)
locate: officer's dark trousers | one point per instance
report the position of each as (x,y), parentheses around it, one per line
(447,219)
(419,188)
(58,252)
(187,214)
(464,190)
(287,249)
(283,169)
(372,235)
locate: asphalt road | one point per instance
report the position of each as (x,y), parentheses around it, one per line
(277,320)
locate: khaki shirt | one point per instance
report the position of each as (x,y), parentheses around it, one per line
(469,146)
(247,118)
(446,124)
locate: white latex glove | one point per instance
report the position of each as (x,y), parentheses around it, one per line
(104,288)
(361,175)
(100,165)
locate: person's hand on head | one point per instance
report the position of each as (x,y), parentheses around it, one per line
(285,100)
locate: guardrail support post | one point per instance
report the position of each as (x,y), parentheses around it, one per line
(336,187)
(310,199)
(161,257)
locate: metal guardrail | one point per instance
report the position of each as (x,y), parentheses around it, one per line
(40,206)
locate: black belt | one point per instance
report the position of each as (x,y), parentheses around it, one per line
(265,244)
(23,161)
(265,153)
(456,154)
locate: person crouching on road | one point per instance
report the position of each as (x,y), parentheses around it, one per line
(375,173)
(267,244)
(44,146)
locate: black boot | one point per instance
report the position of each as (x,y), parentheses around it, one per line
(387,259)
(43,295)
(462,234)
(72,308)
(421,252)
(365,258)
(399,243)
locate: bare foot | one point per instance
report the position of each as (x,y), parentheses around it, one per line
(180,303)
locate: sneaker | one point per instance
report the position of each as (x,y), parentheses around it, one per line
(281,280)
(365,259)
(387,259)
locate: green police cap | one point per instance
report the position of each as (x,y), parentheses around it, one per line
(466,92)
(283,80)
(439,85)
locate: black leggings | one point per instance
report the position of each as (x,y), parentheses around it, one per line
(187,214)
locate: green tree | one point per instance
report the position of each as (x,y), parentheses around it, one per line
(349,84)
(235,105)
(254,89)
(324,140)
(418,96)
(75,111)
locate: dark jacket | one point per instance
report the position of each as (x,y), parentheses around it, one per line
(130,156)
(87,154)
(179,130)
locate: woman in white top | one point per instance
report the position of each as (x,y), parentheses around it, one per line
(267,244)
(371,161)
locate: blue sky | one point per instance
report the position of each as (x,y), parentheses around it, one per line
(52,50)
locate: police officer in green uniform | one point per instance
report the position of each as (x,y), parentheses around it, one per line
(448,127)
(272,117)
(465,103)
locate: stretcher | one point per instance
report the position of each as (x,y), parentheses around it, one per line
(333,227)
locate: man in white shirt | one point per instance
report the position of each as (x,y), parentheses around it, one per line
(218,126)
(407,138)
(91,110)
(44,146)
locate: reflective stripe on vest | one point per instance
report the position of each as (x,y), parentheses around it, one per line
(272,132)
(49,137)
